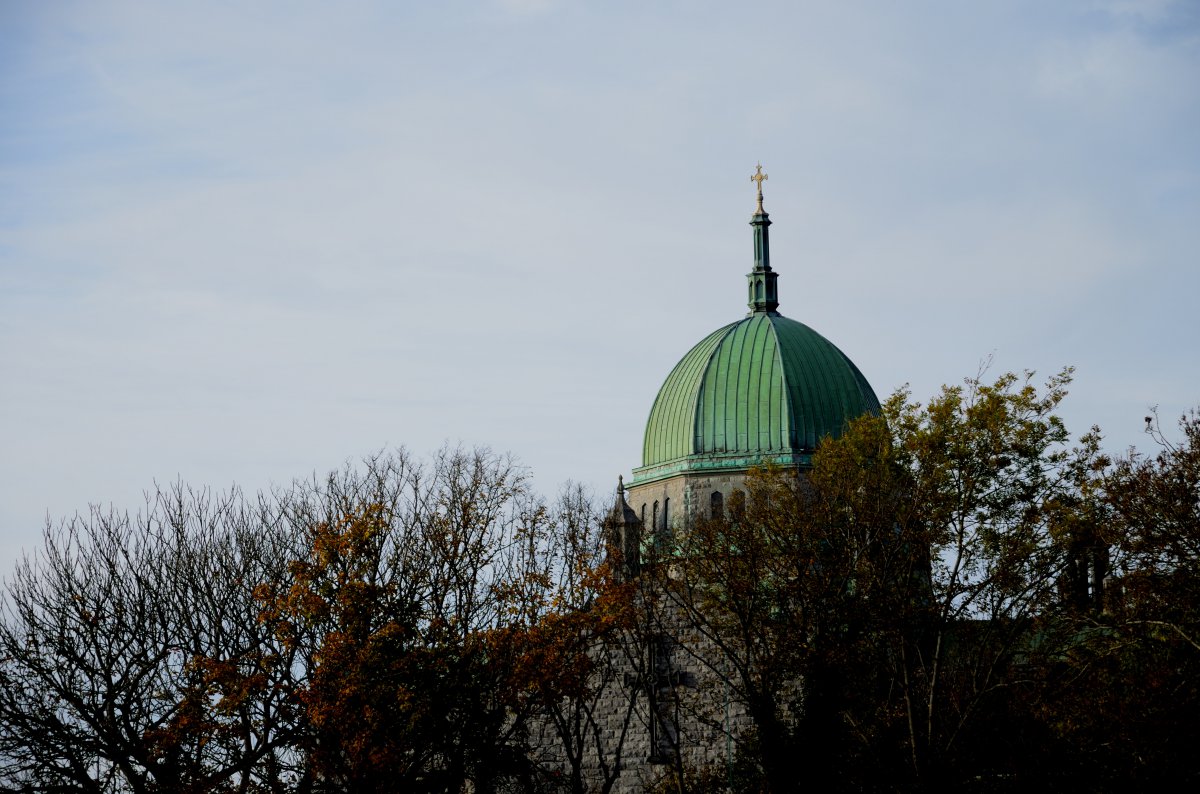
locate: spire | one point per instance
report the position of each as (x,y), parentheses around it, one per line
(763,295)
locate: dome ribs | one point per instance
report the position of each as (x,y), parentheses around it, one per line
(759,387)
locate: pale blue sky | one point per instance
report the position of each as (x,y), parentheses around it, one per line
(242,242)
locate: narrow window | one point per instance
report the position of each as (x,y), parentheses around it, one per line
(660,690)
(654,526)
(666,527)
(652,681)
(718,504)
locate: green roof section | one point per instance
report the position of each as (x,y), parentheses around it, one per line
(764,387)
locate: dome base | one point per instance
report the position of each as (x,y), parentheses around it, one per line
(738,462)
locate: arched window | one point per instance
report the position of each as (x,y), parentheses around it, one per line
(717,500)
(654,526)
(758,290)
(666,518)
(643,514)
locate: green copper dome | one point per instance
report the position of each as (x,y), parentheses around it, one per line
(763,388)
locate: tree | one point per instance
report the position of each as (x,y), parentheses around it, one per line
(885,600)
(576,655)
(445,610)
(132,657)
(1124,695)
(1155,506)
(990,480)
(406,572)
(784,602)
(952,594)
(395,624)
(736,597)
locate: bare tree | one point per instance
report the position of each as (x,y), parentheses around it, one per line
(132,657)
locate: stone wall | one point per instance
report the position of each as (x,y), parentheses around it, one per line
(687,495)
(657,708)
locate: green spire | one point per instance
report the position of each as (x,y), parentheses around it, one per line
(764,294)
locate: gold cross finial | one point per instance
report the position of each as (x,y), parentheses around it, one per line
(759,177)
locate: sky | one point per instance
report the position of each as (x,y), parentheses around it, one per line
(247,242)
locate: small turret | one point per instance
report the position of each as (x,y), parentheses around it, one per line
(623,533)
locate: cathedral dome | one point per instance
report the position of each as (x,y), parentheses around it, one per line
(762,388)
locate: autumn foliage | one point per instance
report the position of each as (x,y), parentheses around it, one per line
(957,595)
